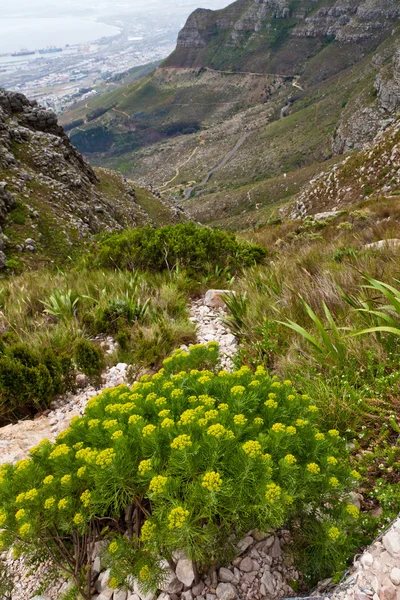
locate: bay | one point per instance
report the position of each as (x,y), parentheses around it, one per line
(38,33)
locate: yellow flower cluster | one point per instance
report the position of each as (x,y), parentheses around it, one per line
(164,413)
(47,480)
(49,503)
(319,437)
(271,403)
(177,518)
(3,518)
(78,446)
(204,379)
(19,515)
(78,519)
(334,482)
(63,503)
(25,529)
(148,430)
(86,498)
(20,498)
(252,448)
(301,423)
(176,394)
(113,547)
(278,427)
(22,464)
(105,457)
(273,493)
(331,460)
(157,484)
(290,430)
(290,459)
(238,390)
(313,408)
(353,511)
(61,450)
(333,433)
(31,494)
(151,397)
(86,454)
(110,423)
(144,466)
(333,533)
(355,474)
(211,414)
(134,419)
(66,479)
(187,416)
(206,400)
(148,531)
(254,383)
(113,583)
(145,573)
(258,421)
(81,472)
(94,422)
(240,419)
(223,407)
(212,481)
(276,384)
(181,442)
(161,401)
(218,431)
(167,423)
(313,468)
(117,434)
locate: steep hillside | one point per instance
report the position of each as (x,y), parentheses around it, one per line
(51,200)
(255,95)
(289,37)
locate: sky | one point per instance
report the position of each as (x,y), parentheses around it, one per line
(55,8)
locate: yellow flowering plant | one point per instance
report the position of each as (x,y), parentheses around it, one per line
(187,459)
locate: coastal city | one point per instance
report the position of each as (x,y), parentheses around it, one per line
(76,51)
(60,76)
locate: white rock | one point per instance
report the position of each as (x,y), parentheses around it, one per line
(184,571)
(106,594)
(225,575)
(213,298)
(391,541)
(226,591)
(120,595)
(395,576)
(245,543)
(246,565)
(187,595)
(366,560)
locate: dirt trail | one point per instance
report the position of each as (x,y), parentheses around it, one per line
(178,170)
(224,161)
(121,112)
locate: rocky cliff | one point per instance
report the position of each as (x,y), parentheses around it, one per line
(51,199)
(281,36)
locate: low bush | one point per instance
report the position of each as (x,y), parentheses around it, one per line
(187,245)
(186,460)
(88,358)
(28,382)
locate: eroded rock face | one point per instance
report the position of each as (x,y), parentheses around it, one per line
(248,23)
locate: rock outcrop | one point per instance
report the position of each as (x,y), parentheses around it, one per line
(48,193)
(285,33)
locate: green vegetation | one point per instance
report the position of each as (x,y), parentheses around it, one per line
(185,245)
(188,459)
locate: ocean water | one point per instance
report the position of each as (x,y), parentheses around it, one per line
(38,33)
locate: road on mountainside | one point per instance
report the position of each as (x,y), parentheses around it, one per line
(188,191)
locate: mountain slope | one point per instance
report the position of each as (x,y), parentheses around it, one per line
(284,36)
(253,93)
(51,200)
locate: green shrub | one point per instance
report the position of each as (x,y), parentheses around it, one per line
(187,461)
(187,245)
(88,357)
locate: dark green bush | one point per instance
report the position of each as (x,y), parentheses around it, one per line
(187,245)
(88,357)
